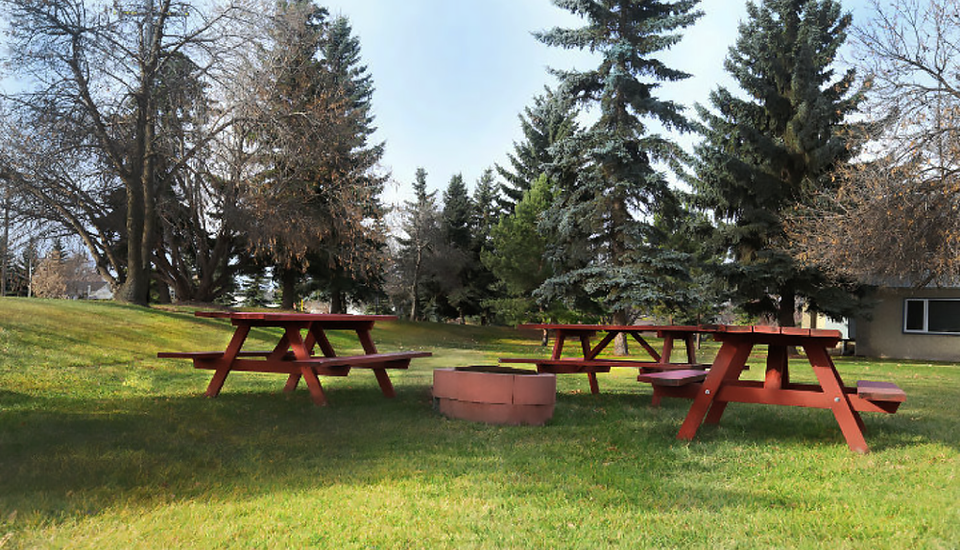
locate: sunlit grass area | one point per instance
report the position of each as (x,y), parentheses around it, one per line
(102,445)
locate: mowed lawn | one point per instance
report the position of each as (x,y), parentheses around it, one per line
(102,445)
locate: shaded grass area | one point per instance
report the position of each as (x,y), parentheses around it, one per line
(104,446)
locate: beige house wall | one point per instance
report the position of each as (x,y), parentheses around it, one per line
(883,335)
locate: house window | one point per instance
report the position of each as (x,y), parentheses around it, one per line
(931,316)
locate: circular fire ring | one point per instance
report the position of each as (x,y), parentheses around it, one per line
(495,395)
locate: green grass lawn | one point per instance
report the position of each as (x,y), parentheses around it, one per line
(102,445)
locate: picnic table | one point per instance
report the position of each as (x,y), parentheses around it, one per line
(722,385)
(588,361)
(293,354)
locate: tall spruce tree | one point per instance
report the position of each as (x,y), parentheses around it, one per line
(418,249)
(456,296)
(605,215)
(351,165)
(486,216)
(551,119)
(516,252)
(772,147)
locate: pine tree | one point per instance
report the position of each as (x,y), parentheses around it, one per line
(551,119)
(455,297)
(773,148)
(486,215)
(604,216)
(488,210)
(516,253)
(415,258)
(351,166)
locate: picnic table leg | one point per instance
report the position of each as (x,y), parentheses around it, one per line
(594,385)
(690,340)
(667,348)
(313,384)
(299,347)
(315,336)
(730,360)
(383,379)
(777,375)
(558,344)
(587,351)
(851,425)
(233,348)
(719,406)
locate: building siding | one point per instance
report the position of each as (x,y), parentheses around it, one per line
(883,335)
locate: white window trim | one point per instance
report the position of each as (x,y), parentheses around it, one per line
(926,315)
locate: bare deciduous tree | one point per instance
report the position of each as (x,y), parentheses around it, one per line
(896,215)
(86,136)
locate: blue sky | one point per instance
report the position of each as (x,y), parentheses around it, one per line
(451,76)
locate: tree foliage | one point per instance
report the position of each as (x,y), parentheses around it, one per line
(517,253)
(608,244)
(417,256)
(551,119)
(86,135)
(775,146)
(895,215)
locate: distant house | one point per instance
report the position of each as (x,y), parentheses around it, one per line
(910,323)
(89,289)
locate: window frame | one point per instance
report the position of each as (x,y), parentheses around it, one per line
(926,316)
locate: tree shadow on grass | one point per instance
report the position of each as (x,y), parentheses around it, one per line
(916,421)
(66,459)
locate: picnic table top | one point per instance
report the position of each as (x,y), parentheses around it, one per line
(613,328)
(288,316)
(706,329)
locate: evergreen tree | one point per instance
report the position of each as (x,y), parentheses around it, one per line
(352,166)
(604,216)
(516,254)
(417,253)
(458,213)
(488,211)
(773,148)
(551,119)
(456,296)
(486,216)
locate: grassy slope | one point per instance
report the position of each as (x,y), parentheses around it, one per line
(104,446)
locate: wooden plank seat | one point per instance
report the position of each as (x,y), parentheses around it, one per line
(211,354)
(190,354)
(394,360)
(330,366)
(885,395)
(678,382)
(564,366)
(680,377)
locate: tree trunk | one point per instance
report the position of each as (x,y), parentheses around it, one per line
(163,292)
(786,316)
(288,288)
(337,303)
(620,347)
(136,285)
(6,241)
(415,290)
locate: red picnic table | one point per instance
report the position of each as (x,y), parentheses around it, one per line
(588,361)
(293,354)
(722,385)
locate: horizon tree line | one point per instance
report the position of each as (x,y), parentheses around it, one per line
(190,181)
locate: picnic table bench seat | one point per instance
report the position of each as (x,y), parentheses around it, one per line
(676,380)
(885,395)
(330,366)
(678,377)
(210,354)
(574,365)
